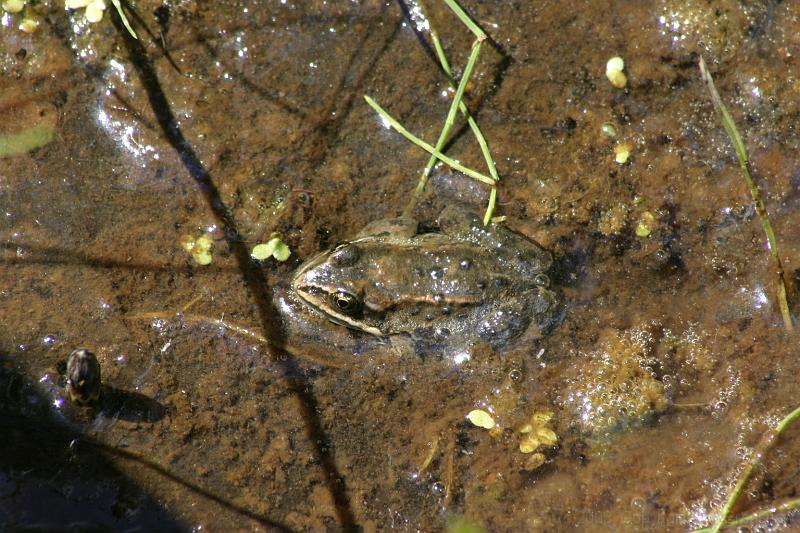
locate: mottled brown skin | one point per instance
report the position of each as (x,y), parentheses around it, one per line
(444,292)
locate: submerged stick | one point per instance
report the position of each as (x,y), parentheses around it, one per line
(194,318)
(761,450)
(744,163)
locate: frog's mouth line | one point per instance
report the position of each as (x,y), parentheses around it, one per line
(306,295)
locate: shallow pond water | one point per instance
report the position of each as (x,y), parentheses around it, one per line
(240,120)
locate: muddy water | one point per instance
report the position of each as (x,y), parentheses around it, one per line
(242,120)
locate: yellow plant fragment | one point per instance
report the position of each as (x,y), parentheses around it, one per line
(28,25)
(200,248)
(646,224)
(481,418)
(614,72)
(13,6)
(546,436)
(534,461)
(94,11)
(529,444)
(541,418)
(622,152)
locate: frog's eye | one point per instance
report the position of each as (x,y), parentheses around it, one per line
(345,302)
(345,255)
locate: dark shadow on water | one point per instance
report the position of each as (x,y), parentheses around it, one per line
(250,271)
(46,484)
(131,406)
(51,255)
(55,478)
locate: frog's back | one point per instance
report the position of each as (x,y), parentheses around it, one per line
(465,283)
(522,254)
(445,290)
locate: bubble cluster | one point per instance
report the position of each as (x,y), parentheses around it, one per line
(692,25)
(616,386)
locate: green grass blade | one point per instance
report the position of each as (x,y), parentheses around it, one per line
(457,100)
(474,127)
(122,16)
(464,111)
(464,18)
(425,146)
(440,53)
(772,510)
(760,451)
(456,104)
(487,217)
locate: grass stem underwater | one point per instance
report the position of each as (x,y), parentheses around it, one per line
(766,442)
(744,163)
(195,318)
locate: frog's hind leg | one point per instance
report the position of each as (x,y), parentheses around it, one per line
(546,311)
(503,321)
(250,333)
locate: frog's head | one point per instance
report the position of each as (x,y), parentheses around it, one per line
(333,283)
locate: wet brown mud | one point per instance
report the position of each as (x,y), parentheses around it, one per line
(242,120)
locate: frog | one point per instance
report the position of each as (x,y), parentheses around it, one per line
(440,293)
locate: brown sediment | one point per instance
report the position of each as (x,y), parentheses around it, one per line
(271,101)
